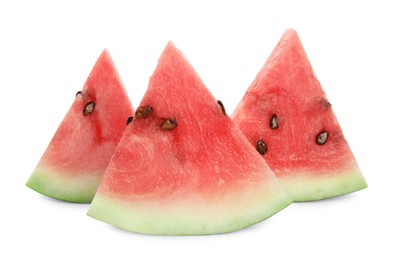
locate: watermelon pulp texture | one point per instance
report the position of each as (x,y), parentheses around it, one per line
(75,159)
(182,166)
(286,108)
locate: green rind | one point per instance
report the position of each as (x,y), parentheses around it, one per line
(311,186)
(79,189)
(191,216)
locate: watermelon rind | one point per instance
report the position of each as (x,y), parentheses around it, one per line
(61,187)
(310,186)
(191,215)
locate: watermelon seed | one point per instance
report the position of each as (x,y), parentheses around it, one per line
(143,111)
(129,120)
(325,103)
(261,147)
(79,93)
(321,138)
(273,122)
(222,107)
(168,124)
(89,107)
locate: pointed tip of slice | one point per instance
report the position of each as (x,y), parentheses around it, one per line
(288,56)
(105,52)
(105,57)
(174,80)
(170,45)
(104,70)
(290,32)
(171,52)
(174,64)
(169,49)
(288,40)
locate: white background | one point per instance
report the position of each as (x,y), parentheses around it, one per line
(47,51)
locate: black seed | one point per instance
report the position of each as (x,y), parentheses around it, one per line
(322,138)
(79,93)
(324,102)
(274,123)
(143,111)
(168,124)
(261,147)
(222,107)
(129,120)
(89,107)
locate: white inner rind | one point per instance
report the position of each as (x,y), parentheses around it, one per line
(68,187)
(192,214)
(309,186)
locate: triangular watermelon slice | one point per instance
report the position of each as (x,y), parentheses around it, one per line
(285,114)
(183,167)
(75,160)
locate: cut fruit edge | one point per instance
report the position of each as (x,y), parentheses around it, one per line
(192,214)
(73,188)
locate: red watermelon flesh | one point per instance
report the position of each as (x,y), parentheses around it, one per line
(75,159)
(286,109)
(183,167)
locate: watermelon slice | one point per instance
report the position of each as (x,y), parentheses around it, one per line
(183,167)
(285,114)
(75,160)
